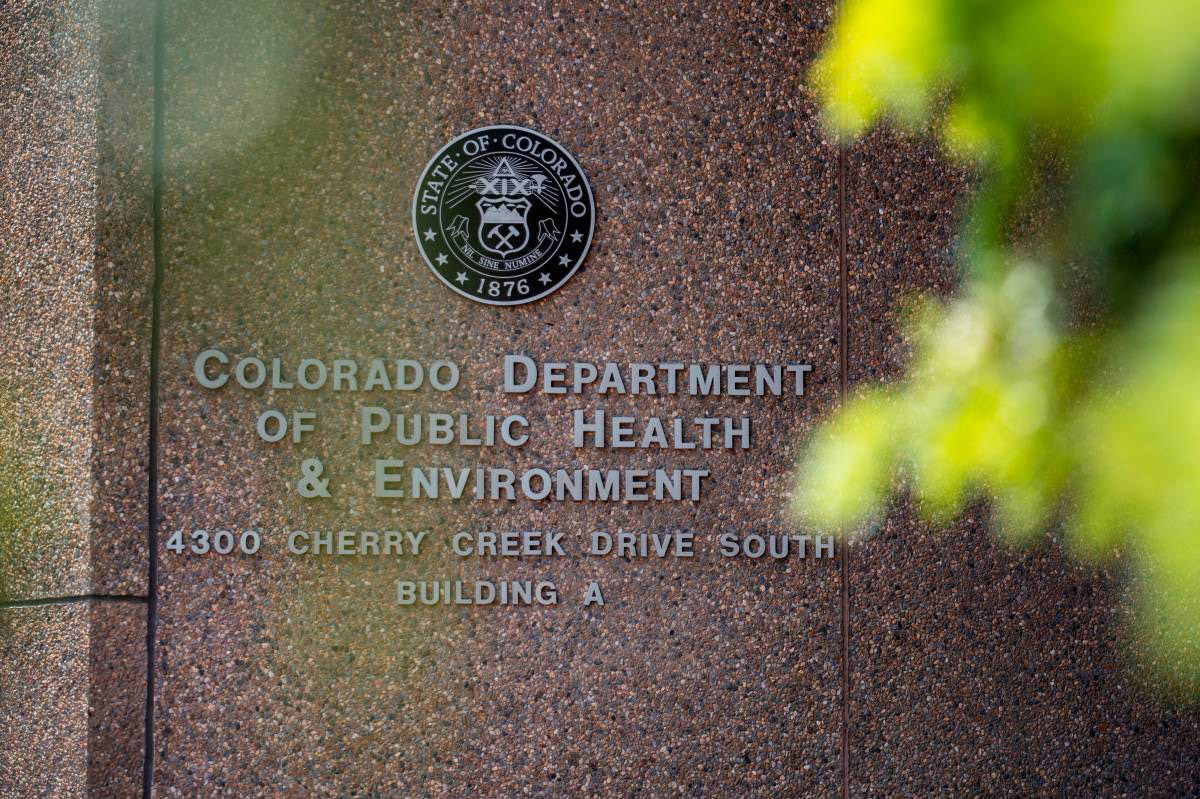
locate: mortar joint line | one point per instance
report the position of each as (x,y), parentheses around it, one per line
(843,358)
(152,444)
(72,599)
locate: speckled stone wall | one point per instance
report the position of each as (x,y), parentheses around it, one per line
(288,236)
(76,267)
(75,100)
(294,134)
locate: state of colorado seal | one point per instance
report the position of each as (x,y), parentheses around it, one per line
(503,215)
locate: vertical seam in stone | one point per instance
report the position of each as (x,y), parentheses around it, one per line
(843,357)
(155,345)
(843,373)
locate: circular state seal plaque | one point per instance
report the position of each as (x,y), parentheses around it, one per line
(503,215)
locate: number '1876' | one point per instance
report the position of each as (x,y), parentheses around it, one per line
(503,288)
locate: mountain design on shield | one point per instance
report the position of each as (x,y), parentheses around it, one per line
(504,207)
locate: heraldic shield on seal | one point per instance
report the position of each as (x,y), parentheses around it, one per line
(503,215)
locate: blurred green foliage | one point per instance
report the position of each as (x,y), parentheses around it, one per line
(1064,380)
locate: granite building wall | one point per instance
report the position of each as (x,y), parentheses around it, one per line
(730,228)
(75,263)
